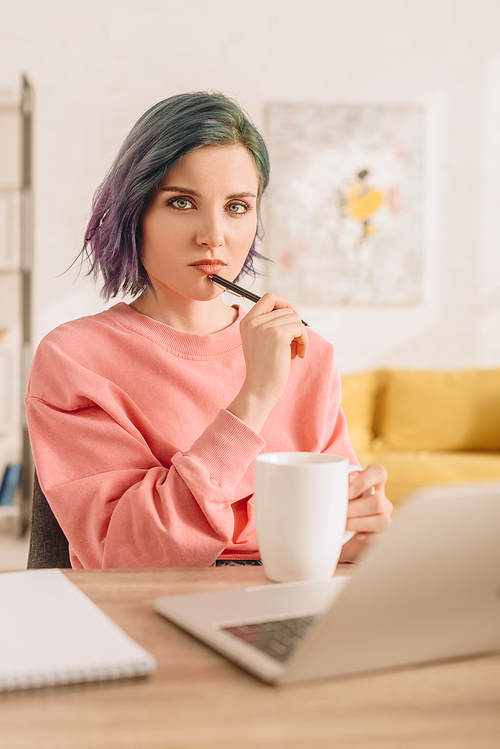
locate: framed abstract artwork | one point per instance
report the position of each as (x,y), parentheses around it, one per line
(344,213)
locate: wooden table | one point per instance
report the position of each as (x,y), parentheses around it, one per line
(198,699)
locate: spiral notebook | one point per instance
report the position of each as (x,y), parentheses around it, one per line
(51,633)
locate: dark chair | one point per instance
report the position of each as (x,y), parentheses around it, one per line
(48,544)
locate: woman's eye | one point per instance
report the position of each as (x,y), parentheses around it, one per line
(181,203)
(237,208)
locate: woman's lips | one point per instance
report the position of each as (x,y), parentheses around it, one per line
(208,266)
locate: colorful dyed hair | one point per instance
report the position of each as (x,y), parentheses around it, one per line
(157,142)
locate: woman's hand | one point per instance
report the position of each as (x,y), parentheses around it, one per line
(368,512)
(272,335)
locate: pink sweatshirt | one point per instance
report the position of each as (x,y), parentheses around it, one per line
(135,452)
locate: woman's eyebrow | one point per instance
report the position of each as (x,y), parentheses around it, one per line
(188,191)
(173,188)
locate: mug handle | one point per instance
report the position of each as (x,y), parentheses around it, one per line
(349,534)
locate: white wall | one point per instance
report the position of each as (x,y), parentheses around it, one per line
(96,65)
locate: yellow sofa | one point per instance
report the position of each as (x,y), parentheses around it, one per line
(425,427)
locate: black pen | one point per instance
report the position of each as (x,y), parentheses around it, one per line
(234,289)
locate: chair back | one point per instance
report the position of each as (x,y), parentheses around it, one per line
(48,545)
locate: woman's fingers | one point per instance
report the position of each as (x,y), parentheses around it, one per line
(373,476)
(269,302)
(369,523)
(373,504)
(272,335)
(369,510)
(287,321)
(277,315)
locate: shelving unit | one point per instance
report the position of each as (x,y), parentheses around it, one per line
(16,253)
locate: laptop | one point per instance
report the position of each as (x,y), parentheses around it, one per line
(428,590)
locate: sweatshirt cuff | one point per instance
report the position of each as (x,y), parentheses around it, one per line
(226,448)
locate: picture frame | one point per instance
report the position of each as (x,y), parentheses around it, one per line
(344,218)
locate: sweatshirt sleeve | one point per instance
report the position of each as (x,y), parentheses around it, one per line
(117,502)
(337,440)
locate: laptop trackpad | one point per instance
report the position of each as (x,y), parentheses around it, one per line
(278,601)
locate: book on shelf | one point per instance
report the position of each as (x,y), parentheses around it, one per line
(10,482)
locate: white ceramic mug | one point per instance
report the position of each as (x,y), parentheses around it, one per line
(301,513)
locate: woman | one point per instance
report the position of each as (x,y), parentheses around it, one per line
(145,419)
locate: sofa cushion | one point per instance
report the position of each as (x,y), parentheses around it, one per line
(358,403)
(408,471)
(432,410)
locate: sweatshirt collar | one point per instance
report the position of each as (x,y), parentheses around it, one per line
(177,342)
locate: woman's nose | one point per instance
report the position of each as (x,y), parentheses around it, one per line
(209,233)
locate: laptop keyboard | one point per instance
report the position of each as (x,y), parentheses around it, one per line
(277,639)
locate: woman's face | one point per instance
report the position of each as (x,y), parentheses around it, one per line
(202,220)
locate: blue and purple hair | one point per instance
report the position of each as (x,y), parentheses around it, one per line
(157,142)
